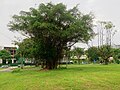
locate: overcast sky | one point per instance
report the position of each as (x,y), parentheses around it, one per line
(104,10)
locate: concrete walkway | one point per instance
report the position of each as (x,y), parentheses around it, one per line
(9,69)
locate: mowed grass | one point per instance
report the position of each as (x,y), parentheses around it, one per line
(75,77)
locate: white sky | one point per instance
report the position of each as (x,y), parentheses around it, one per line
(106,10)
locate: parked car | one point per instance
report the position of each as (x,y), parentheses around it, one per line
(4,66)
(66,62)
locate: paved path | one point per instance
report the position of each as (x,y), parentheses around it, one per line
(9,69)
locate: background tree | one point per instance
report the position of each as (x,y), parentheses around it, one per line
(78,52)
(105,52)
(26,49)
(53,28)
(106,31)
(92,54)
(109,32)
(5,55)
(116,55)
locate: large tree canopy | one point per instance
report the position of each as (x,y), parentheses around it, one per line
(53,28)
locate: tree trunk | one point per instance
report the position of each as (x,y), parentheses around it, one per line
(36,63)
(106,61)
(78,61)
(52,64)
(55,64)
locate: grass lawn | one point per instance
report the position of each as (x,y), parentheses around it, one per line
(76,77)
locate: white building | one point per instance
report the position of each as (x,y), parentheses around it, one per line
(115,46)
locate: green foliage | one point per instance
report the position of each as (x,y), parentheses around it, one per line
(14,64)
(4,54)
(117,55)
(53,28)
(92,53)
(78,52)
(108,25)
(105,52)
(26,48)
(117,61)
